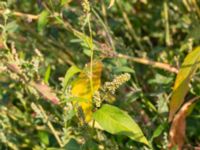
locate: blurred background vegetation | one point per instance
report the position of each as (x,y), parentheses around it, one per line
(46,37)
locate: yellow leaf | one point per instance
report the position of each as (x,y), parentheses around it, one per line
(181,86)
(111,3)
(82,87)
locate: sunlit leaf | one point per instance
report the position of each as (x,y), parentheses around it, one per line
(117,121)
(69,74)
(43,137)
(47,75)
(111,3)
(43,19)
(82,86)
(181,87)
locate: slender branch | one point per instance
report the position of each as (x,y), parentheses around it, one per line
(20,14)
(49,124)
(147,61)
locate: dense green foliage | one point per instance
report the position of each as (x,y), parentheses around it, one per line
(49,48)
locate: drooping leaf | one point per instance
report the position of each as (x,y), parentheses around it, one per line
(43,20)
(117,121)
(177,130)
(181,86)
(69,74)
(82,87)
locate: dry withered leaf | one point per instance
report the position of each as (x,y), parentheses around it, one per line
(178,126)
(46,92)
(14,68)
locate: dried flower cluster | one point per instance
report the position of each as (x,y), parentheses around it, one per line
(86,6)
(116,83)
(97,99)
(108,90)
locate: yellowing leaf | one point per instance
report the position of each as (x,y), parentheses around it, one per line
(177,131)
(181,87)
(82,87)
(111,3)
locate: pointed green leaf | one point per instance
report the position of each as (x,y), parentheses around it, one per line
(117,121)
(181,86)
(47,75)
(69,74)
(43,20)
(44,138)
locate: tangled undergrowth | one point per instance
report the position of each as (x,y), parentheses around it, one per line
(95,75)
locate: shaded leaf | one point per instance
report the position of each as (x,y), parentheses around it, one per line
(159,130)
(123,69)
(183,78)
(117,121)
(72,145)
(177,130)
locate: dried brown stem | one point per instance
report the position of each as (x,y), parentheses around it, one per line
(20,14)
(147,61)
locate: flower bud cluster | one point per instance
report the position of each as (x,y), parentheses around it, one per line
(116,83)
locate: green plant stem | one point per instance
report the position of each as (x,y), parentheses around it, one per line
(49,124)
(166,20)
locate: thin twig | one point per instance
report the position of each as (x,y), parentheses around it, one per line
(20,14)
(147,61)
(49,124)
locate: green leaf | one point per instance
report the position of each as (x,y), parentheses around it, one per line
(43,20)
(44,138)
(72,145)
(159,130)
(76,99)
(123,69)
(63,2)
(69,74)
(47,75)
(11,27)
(54,148)
(117,121)
(181,86)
